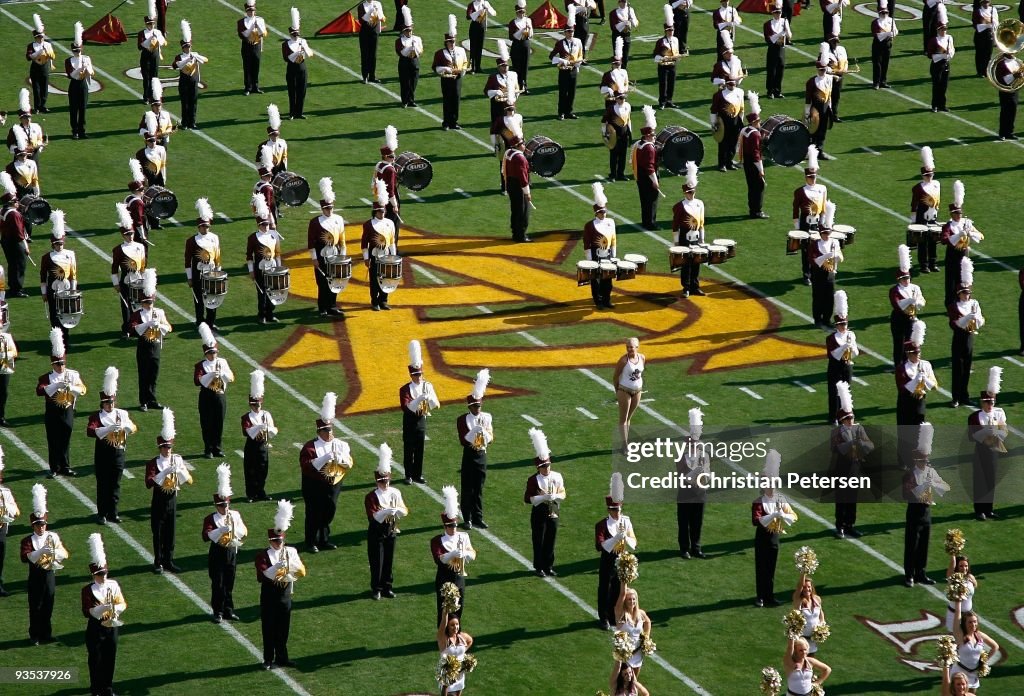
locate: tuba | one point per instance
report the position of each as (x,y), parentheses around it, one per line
(1009,41)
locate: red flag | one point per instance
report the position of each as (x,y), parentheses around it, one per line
(345,24)
(108,30)
(764,6)
(547,16)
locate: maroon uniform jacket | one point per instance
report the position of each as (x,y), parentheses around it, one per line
(498,128)
(933,48)
(389,174)
(592,240)
(317,237)
(601,533)
(88,601)
(609,115)
(561,49)
(255,252)
(371,503)
(646,159)
(137,209)
(306,456)
(750,145)
(266,189)
(208,526)
(405,398)
(462,426)
(443,59)
(802,204)
(120,263)
(262,563)
(814,252)
(757,512)
(151,472)
(12,225)
(93,423)
(140,40)
(26,548)
(437,550)
(517,168)
(895,296)
(44,381)
(533,488)
(717,17)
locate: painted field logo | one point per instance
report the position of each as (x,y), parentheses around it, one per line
(461,295)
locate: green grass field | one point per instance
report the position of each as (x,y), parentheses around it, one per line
(476,300)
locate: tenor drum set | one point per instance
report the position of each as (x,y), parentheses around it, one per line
(676,146)
(844,234)
(414,172)
(135,292)
(786,139)
(35,208)
(919,233)
(719,251)
(215,288)
(160,202)
(389,272)
(626,268)
(546,157)
(290,188)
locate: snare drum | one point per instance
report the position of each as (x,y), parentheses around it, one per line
(290,188)
(639,259)
(915,233)
(607,270)
(339,272)
(729,244)
(839,237)
(678,256)
(586,271)
(5,316)
(389,272)
(849,230)
(717,254)
(69,308)
(698,255)
(135,293)
(160,202)
(214,288)
(935,231)
(277,281)
(795,240)
(35,208)
(625,270)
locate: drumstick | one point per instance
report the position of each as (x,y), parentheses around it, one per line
(530,201)
(31,261)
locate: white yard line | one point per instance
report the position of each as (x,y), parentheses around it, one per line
(224,217)
(586,413)
(128,474)
(751,393)
(531,420)
(859,381)
(805,387)
(911,145)
(413,196)
(240,453)
(697,399)
(871,152)
(366,201)
(463,193)
(1015,361)
(85,3)
(41,6)
(958,141)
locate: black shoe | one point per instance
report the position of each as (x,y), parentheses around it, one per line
(908,582)
(413,104)
(245,92)
(980,517)
(208,455)
(992,515)
(4,592)
(4,423)
(603,625)
(760,215)
(609,305)
(286,663)
(216,618)
(884,85)
(35,642)
(156,404)
(481,524)
(773,603)
(552,573)
(468,526)
(456,127)
(173,567)
(839,533)
(386,307)
(100,519)
(759,603)
(925,269)
(540,573)
(925,580)
(390,594)
(214,327)
(698,292)
(684,554)
(335,312)
(723,169)
(572,116)
(323,315)
(52,475)
(330,547)
(158,569)
(670,104)
(407,481)
(376,308)
(954,404)
(69,472)
(854,532)
(20,293)
(733,166)
(268,666)
(933,268)
(698,554)
(218,452)
(420,479)
(273,320)
(44,110)
(232,616)
(75,137)
(313,549)
(375,596)
(807,281)
(836,119)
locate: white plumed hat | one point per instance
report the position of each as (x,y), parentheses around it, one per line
(541,451)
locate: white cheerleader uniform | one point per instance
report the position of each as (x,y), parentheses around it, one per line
(799,681)
(965,606)
(812,617)
(632,377)
(458,650)
(636,660)
(968,660)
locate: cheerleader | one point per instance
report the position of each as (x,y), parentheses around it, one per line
(452,640)
(955,685)
(961,564)
(970,644)
(800,669)
(634,622)
(807,601)
(623,682)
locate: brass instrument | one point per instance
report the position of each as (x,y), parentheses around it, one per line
(480,441)
(217,383)
(620,545)
(48,559)
(255,36)
(117,437)
(283,576)
(1009,36)
(424,407)
(992,442)
(63,396)
(776,526)
(991,74)
(848,353)
(153,334)
(333,470)
(111,618)
(552,504)
(920,390)
(829,266)
(459,564)
(6,360)
(170,482)
(391,521)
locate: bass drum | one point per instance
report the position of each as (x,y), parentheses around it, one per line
(546,157)
(35,208)
(290,188)
(160,202)
(677,146)
(786,140)
(414,172)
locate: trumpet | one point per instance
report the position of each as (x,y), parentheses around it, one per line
(552,504)
(170,482)
(424,407)
(111,617)
(63,396)
(48,559)
(459,564)
(153,333)
(217,383)
(391,520)
(972,326)
(333,470)
(6,360)
(230,537)
(920,389)
(620,545)
(117,437)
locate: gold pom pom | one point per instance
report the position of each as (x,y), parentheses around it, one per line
(806,560)
(627,567)
(771,682)
(794,622)
(955,542)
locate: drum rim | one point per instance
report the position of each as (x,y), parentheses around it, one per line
(632,257)
(626,264)
(728,242)
(844,229)
(277,270)
(584,263)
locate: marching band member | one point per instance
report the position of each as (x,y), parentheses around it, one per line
(80,72)
(841,346)
(623,21)
(612,535)
(688,228)
(417,399)
(753,163)
(202,255)
(264,188)
(258,428)
(883,31)
(941,51)
(831,10)
(616,126)
(503,132)
(616,79)
(13,237)
(387,172)
(278,145)
(34,136)
(628,379)
(165,474)
(164,125)
(808,206)
(451,551)
(924,209)
(371,23)
(502,84)
(8,513)
(825,256)
(957,235)
(378,240)
(8,356)
(1008,70)
(769,513)
(727,114)
(110,426)
(920,486)
(818,113)
(477,12)
(515,172)
(838,65)
(985,19)
(987,427)
(61,388)
(187,64)
(151,326)
(251,29)
(907,301)
(153,158)
(451,64)
(728,66)
(150,41)
(545,492)
(24,173)
(384,508)
(681,22)
(262,253)
(325,462)
(726,19)
(277,569)
(409,48)
(520,31)
(599,244)
(225,531)
(567,55)
(296,52)
(965,319)
(325,239)
(645,171)
(39,53)
(777,33)
(476,432)
(690,500)
(103,604)
(127,263)
(914,379)
(666,55)
(212,376)
(400,20)
(136,204)
(850,447)
(45,554)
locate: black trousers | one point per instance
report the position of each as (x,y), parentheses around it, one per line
(566,91)
(826,26)
(962,351)
(607,588)
(601,291)
(408,78)
(544,531)
(188,91)
(476,45)
(727,148)
(251,54)
(163,513)
(39,76)
(378,298)
(16,262)
(5,381)
(213,407)
(321,500)
(983,43)
(148,65)
(222,563)
(202,313)
(1007,112)
(846,499)
(153,222)
(368,38)
(618,155)
(520,211)
(520,55)
(42,586)
(985,461)
(952,262)
(124,304)
(755,188)
(109,467)
(927,250)
(451,93)
(101,642)
(880,53)
(473,478)
(275,620)
(775,66)
(326,298)
(766,555)
(838,371)
(690,520)
(899,325)
(666,83)
(445,574)
(648,201)
(295,77)
(682,24)
(940,80)
(147,359)
(264,307)
(582,32)
(825,116)
(256,466)
(380,549)
(3,550)
(414,431)
(823,288)
(916,534)
(59,423)
(78,100)
(837,92)
(928,25)
(689,276)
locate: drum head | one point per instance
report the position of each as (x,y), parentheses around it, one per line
(679,146)
(845,229)
(293,190)
(635,258)
(724,242)
(160,202)
(587,264)
(787,140)
(35,209)
(545,155)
